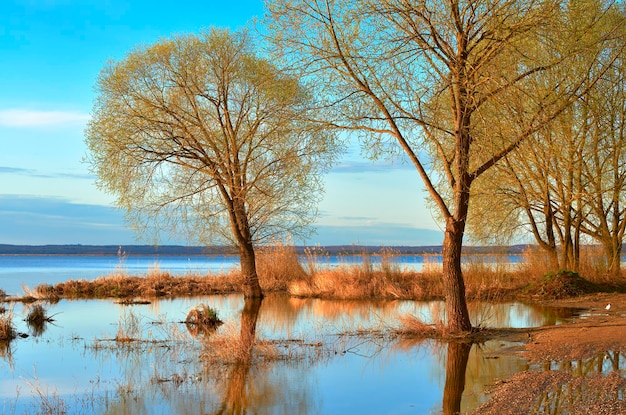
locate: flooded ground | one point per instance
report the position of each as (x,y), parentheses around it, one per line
(325,357)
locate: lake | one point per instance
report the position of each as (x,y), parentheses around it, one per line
(325,357)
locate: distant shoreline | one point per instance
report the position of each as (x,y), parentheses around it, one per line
(180,250)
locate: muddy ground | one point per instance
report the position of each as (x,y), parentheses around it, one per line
(577,367)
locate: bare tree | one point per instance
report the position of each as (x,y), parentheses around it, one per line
(420,77)
(199,136)
(567,180)
(604,169)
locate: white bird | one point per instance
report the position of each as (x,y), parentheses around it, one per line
(608,307)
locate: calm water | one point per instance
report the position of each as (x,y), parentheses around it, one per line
(74,361)
(73,365)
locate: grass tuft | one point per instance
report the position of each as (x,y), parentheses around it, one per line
(202,319)
(7,328)
(37,318)
(128,327)
(414,326)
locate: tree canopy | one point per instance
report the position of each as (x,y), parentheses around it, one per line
(199,136)
(433,79)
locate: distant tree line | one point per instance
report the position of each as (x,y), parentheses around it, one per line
(180,250)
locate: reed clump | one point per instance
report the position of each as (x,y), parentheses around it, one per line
(46,292)
(278,265)
(7,328)
(385,280)
(128,328)
(37,318)
(37,315)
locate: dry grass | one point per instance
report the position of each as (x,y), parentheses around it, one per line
(491,277)
(226,347)
(412,325)
(364,281)
(37,318)
(486,278)
(128,327)
(278,266)
(535,263)
(155,284)
(7,328)
(360,283)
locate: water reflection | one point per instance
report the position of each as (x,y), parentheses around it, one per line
(338,359)
(592,385)
(456,365)
(583,383)
(236,399)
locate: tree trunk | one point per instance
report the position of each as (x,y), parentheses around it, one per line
(456,365)
(613,253)
(456,305)
(251,286)
(550,247)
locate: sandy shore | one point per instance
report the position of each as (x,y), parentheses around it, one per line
(576,367)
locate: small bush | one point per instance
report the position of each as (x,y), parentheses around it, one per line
(562,284)
(37,318)
(202,319)
(37,315)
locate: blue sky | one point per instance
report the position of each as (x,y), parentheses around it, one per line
(52,52)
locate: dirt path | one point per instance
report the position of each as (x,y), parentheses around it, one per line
(576,368)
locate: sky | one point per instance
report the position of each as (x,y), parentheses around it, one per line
(51,54)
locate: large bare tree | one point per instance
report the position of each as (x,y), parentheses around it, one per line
(199,136)
(428,78)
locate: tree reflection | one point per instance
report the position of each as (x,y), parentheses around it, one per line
(235,398)
(456,365)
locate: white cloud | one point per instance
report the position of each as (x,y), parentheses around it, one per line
(30,118)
